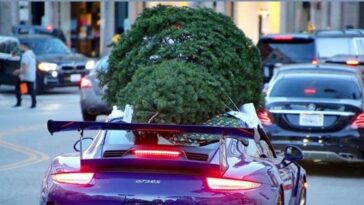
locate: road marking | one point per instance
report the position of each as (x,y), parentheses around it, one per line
(33,156)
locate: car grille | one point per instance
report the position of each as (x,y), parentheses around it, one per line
(67,67)
(72,67)
(80,67)
(190,155)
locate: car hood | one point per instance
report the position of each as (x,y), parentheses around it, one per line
(62,59)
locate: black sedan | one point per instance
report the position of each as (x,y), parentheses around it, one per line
(57,65)
(91,93)
(320,111)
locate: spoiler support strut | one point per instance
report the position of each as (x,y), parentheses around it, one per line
(80,130)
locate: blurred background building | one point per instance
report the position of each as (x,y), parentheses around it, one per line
(89,26)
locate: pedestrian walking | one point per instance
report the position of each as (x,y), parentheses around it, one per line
(26,75)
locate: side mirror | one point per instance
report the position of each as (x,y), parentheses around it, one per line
(86,142)
(292,154)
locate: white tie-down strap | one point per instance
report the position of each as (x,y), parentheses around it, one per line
(247,115)
(127,115)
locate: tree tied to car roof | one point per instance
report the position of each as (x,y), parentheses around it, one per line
(182,65)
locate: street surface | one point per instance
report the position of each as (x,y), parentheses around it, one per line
(26,149)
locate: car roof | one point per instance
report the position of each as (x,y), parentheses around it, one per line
(320,33)
(294,35)
(34,36)
(320,67)
(340,33)
(321,74)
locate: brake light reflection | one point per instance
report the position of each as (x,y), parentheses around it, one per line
(309,91)
(282,38)
(73,178)
(230,184)
(49,27)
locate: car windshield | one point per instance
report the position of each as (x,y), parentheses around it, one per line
(343,46)
(47,46)
(122,137)
(316,86)
(102,65)
(287,51)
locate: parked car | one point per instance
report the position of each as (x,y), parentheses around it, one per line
(57,66)
(9,60)
(312,68)
(91,93)
(280,49)
(46,30)
(130,163)
(319,110)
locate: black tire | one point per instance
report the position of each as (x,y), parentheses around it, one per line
(39,86)
(88,117)
(303,196)
(361,171)
(280,198)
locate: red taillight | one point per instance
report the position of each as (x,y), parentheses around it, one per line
(73,178)
(230,184)
(283,38)
(315,62)
(163,154)
(49,28)
(86,83)
(309,91)
(358,121)
(264,117)
(352,62)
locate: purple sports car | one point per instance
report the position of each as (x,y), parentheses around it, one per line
(154,164)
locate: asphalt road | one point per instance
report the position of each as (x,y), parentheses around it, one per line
(26,149)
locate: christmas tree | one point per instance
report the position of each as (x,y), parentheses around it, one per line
(182,65)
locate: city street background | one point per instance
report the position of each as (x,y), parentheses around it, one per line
(26,149)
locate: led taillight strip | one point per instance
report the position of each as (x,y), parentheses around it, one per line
(157,153)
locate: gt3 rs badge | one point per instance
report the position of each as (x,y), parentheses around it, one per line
(147,181)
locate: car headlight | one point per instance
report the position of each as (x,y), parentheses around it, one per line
(47,66)
(90,64)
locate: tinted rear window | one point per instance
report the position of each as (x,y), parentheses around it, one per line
(316,87)
(287,51)
(343,46)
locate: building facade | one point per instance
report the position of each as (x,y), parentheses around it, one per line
(89,26)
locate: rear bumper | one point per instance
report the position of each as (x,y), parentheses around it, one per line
(72,198)
(110,191)
(343,146)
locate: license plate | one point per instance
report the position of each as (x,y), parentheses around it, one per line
(75,77)
(315,120)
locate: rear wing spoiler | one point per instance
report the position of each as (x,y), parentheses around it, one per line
(59,126)
(80,126)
